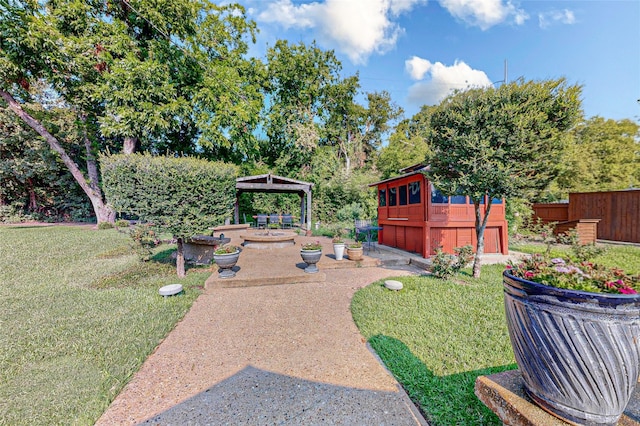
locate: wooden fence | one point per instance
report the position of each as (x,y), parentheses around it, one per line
(618,211)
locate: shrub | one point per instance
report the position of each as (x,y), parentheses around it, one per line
(580,252)
(144,240)
(181,196)
(445,265)
(13,214)
(122,223)
(105,225)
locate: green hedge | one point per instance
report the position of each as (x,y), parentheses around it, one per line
(183,196)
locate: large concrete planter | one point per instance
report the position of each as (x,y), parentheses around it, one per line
(311,257)
(578,352)
(225,263)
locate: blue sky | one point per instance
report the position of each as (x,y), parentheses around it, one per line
(419,50)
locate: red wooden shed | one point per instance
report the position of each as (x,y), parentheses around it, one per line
(417,217)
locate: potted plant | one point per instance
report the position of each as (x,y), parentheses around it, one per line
(226,257)
(338,247)
(575,332)
(311,254)
(354,251)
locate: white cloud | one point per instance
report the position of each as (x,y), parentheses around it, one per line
(484,13)
(565,16)
(417,67)
(356,28)
(443,80)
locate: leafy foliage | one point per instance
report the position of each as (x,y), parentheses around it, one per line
(583,276)
(445,265)
(181,196)
(602,155)
(408,145)
(504,142)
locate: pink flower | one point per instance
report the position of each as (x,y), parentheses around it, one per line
(627,290)
(529,274)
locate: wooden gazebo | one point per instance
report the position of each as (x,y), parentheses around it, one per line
(276,184)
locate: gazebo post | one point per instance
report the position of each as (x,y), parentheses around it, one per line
(302,210)
(308,210)
(236,210)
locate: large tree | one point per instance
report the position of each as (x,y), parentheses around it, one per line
(501,143)
(604,155)
(147,74)
(408,144)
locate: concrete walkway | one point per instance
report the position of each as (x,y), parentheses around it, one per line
(285,354)
(274,345)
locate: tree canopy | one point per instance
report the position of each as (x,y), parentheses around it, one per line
(501,143)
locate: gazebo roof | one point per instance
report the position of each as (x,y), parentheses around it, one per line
(271,183)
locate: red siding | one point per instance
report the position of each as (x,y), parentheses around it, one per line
(422,227)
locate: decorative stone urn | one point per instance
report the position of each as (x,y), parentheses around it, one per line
(354,253)
(578,352)
(311,257)
(338,250)
(225,263)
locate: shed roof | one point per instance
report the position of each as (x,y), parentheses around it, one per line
(408,171)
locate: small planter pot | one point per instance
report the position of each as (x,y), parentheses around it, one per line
(311,257)
(354,253)
(578,352)
(338,250)
(225,263)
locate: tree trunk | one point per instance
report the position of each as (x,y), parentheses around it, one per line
(33,201)
(104,213)
(481,224)
(130,145)
(180,259)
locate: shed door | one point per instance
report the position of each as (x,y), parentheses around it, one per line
(492,240)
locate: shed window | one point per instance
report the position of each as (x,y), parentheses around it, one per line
(438,198)
(458,199)
(392,196)
(382,197)
(414,192)
(496,201)
(481,200)
(403,195)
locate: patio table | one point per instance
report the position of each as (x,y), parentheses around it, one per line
(367,230)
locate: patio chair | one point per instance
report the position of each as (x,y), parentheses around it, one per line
(360,226)
(274,218)
(287,221)
(262,221)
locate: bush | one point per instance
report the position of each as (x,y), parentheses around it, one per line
(181,196)
(144,240)
(580,252)
(445,265)
(13,214)
(105,225)
(122,223)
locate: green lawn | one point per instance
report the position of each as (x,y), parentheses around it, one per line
(78,316)
(436,336)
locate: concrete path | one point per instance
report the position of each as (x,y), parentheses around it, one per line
(286,354)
